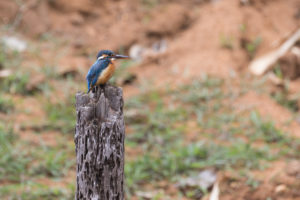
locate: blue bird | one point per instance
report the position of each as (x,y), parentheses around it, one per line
(102,70)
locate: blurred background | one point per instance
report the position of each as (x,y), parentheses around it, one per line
(196,116)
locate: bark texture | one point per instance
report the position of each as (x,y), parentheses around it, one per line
(99,140)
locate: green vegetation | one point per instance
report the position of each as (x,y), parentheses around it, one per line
(281,96)
(49,71)
(12,161)
(178,132)
(53,161)
(6,105)
(226,42)
(243,28)
(150,3)
(25,163)
(35,191)
(9,59)
(252,182)
(173,133)
(252,46)
(16,83)
(266,130)
(21,165)
(61,115)
(176,160)
(160,129)
(19,83)
(277,71)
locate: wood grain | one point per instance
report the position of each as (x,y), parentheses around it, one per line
(99,140)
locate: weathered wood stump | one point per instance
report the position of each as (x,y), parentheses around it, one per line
(99,140)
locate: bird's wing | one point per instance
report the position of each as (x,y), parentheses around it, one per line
(89,77)
(95,71)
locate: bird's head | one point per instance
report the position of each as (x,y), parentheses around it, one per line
(108,54)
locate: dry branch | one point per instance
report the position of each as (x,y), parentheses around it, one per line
(261,65)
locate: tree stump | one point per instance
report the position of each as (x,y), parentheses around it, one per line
(99,140)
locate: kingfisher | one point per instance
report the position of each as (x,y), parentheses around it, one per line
(102,70)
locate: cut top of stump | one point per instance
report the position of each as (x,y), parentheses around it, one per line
(106,104)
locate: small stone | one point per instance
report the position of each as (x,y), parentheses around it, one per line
(5,73)
(160,46)
(205,179)
(136,52)
(145,195)
(280,188)
(244,2)
(14,43)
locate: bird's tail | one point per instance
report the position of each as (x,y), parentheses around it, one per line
(88,90)
(89,86)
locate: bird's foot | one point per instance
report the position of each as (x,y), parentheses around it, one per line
(102,87)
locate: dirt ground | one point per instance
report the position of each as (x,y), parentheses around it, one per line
(202,37)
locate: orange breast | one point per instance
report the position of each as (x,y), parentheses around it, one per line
(106,74)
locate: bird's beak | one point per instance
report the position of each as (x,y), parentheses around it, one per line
(120,57)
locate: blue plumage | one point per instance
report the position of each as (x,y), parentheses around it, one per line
(105,52)
(95,71)
(104,60)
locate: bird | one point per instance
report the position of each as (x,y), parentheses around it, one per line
(102,70)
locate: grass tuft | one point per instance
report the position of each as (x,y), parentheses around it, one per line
(61,116)
(6,105)
(13,162)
